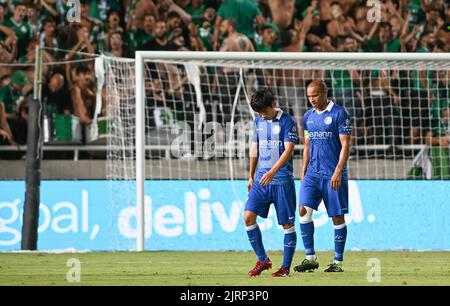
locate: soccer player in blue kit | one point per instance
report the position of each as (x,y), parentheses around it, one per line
(274,138)
(327,129)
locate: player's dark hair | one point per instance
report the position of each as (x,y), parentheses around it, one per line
(262,99)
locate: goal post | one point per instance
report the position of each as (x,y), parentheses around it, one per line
(140,152)
(374,62)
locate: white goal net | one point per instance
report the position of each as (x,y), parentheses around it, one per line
(197,118)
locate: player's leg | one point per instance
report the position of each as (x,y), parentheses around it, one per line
(336,202)
(310,197)
(285,204)
(254,234)
(307,230)
(257,205)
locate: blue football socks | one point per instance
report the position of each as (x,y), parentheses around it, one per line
(255,238)
(290,243)
(340,236)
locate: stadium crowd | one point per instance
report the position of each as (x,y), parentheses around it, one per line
(118,28)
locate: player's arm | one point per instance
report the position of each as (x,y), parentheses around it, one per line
(343,156)
(287,154)
(306,155)
(253,162)
(253,156)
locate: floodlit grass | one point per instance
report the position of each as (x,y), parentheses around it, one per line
(218,268)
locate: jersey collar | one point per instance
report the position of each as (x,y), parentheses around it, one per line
(329,107)
(279,114)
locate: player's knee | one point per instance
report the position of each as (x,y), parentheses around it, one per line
(288,226)
(249,218)
(302,211)
(306,214)
(338,220)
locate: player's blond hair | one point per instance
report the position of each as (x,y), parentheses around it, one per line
(320,84)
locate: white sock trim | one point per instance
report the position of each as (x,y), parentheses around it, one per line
(290,230)
(340,226)
(311,257)
(305,221)
(251,227)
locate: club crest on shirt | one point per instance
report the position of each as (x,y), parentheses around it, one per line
(328,120)
(276,130)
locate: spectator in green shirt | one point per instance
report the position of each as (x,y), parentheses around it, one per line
(440,128)
(11,94)
(112,26)
(20,27)
(268,39)
(34,19)
(439,138)
(415,10)
(421,95)
(94,26)
(197,8)
(244,12)
(141,37)
(383,42)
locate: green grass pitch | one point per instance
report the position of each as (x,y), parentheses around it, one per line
(218,268)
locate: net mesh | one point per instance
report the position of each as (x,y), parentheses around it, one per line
(198,119)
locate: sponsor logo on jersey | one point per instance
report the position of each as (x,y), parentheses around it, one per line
(270,143)
(320,135)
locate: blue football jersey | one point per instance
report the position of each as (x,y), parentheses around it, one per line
(323,131)
(270,136)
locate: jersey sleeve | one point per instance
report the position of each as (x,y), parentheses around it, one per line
(304,125)
(290,132)
(344,123)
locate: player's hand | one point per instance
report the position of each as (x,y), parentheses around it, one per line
(336,181)
(249,184)
(267,178)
